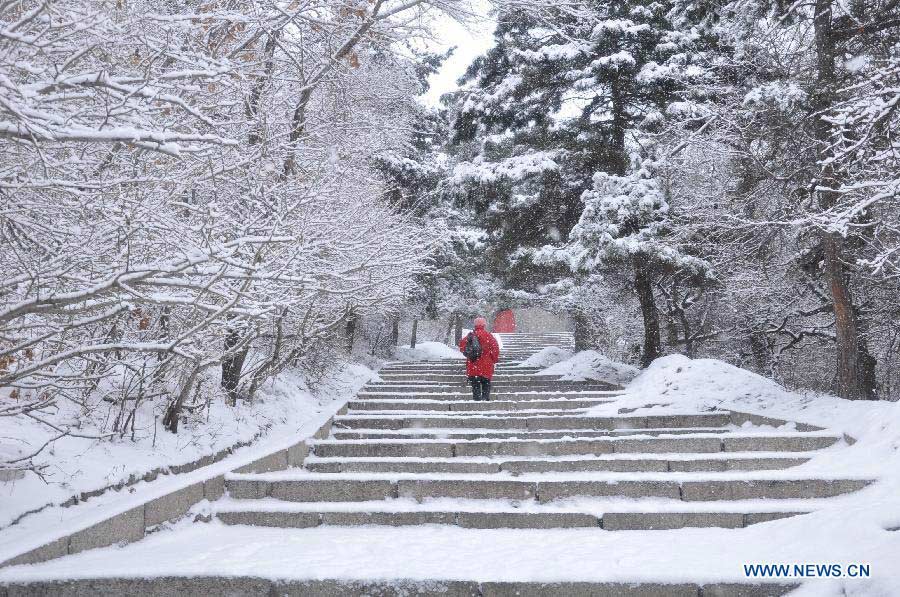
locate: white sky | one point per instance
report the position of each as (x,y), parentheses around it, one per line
(471,40)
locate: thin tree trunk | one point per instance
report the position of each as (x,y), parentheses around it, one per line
(449,330)
(173,412)
(644,289)
(350,332)
(395,331)
(457,333)
(232,365)
(852,358)
(412,336)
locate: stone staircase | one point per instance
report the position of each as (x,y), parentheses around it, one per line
(414,449)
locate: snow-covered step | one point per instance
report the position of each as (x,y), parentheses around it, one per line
(463,386)
(495,395)
(349,487)
(519,378)
(201,582)
(497,381)
(470,405)
(692,444)
(695,463)
(474,434)
(533,422)
(510,519)
(454,367)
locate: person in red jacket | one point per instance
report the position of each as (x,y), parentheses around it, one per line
(481,370)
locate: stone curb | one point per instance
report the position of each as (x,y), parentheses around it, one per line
(132,525)
(168,585)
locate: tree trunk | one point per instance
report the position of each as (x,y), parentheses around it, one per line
(760,350)
(582,330)
(350,331)
(853,359)
(173,411)
(855,366)
(644,289)
(232,364)
(395,331)
(457,333)
(412,336)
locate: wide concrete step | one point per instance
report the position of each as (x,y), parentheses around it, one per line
(455,367)
(517,467)
(413,388)
(461,434)
(349,487)
(455,378)
(495,395)
(611,521)
(530,422)
(166,586)
(617,445)
(471,405)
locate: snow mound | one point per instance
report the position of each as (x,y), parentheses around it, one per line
(705,382)
(591,365)
(427,351)
(546,357)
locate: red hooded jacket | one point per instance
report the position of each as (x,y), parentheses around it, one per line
(490,354)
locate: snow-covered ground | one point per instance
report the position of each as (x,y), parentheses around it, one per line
(547,356)
(860,527)
(585,365)
(73,465)
(431,552)
(427,351)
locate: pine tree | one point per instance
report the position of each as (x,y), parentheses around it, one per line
(552,106)
(625,223)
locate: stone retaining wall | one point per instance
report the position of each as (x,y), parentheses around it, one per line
(132,525)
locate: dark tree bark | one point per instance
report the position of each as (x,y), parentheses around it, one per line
(412,336)
(582,330)
(644,288)
(350,331)
(395,331)
(232,364)
(458,327)
(853,358)
(173,411)
(760,350)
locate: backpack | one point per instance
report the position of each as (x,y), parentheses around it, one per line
(473,347)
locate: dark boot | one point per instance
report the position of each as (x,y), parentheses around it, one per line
(476,388)
(485,389)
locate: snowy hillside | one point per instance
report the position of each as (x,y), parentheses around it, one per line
(72,466)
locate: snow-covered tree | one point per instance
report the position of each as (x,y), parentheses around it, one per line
(184,187)
(554,102)
(624,225)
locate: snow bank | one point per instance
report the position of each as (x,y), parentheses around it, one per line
(707,383)
(678,384)
(72,466)
(545,357)
(427,351)
(591,365)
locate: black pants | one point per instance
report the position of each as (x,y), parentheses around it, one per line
(481,388)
